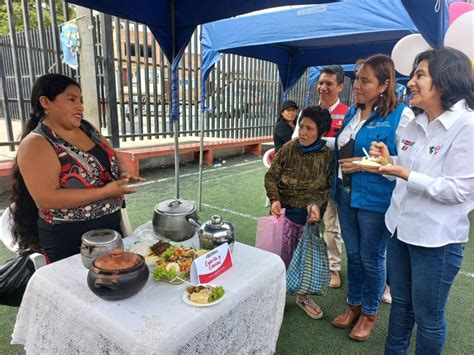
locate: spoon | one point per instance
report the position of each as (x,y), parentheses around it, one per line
(186,282)
(366,154)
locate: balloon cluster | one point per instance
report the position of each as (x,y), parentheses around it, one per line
(460,35)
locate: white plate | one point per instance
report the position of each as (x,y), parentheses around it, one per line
(360,163)
(188,301)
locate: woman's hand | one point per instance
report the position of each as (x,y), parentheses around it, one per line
(380,150)
(347,167)
(118,188)
(313,213)
(394,170)
(131,178)
(276,209)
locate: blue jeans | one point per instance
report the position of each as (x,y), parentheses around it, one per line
(365,236)
(420,279)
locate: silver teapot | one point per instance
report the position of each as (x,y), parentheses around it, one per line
(215,232)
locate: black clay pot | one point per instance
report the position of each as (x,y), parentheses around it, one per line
(117,275)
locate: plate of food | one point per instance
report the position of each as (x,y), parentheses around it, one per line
(166,261)
(372,162)
(203,295)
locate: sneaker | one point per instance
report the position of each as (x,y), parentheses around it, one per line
(387,297)
(335,280)
(309,306)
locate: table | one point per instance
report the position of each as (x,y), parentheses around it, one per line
(60,315)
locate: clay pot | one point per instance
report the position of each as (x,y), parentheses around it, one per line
(117,275)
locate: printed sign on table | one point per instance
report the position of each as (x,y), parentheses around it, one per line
(212,264)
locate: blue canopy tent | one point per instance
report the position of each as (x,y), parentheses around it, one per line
(336,33)
(173,23)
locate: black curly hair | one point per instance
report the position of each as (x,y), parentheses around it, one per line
(320,116)
(23,208)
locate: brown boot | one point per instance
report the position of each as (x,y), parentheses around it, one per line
(349,316)
(363,328)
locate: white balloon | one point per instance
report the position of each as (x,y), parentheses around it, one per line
(460,34)
(406,50)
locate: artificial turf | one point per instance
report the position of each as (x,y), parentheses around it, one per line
(236,192)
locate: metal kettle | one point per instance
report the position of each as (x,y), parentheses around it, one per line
(215,232)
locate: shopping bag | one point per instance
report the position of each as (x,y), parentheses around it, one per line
(308,273)
(270,234)
(14,276)
(291,235)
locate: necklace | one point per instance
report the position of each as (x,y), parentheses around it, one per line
(357,128)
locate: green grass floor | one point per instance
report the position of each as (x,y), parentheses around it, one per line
(236,191)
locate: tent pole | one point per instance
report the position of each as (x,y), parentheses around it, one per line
(174,83)
(201,156)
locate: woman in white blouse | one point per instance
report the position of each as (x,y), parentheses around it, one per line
(428,213)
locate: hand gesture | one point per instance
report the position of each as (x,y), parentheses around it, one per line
(347,167)
(276,209)
(313,213)
(131,178)
(379,150)
(118,188)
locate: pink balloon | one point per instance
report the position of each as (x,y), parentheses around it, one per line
(456,9)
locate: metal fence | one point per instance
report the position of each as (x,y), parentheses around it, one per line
(133,82)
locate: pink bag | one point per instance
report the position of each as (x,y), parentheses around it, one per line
(270,234)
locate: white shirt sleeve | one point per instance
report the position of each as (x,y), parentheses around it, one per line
(405,119)
(330,142)
(296,132)
(457,184)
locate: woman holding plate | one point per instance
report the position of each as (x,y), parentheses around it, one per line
(428,213)
(363,198)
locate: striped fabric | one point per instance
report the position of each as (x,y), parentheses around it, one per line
(308,273)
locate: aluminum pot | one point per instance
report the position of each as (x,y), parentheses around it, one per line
(171,219)
(98,242)
(215,232)
(117,275)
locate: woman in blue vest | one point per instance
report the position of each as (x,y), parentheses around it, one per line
(363,198)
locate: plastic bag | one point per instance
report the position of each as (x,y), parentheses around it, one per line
(270,234)
(14,276)
(308,273)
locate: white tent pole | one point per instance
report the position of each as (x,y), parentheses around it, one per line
(201,156)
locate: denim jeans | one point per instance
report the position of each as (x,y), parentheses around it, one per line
(420,279)
(365,236)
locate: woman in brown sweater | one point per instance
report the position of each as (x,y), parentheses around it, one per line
(300,180)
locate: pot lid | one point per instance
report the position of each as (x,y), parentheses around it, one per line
(215,221)
(175,207)
(100,237)
(117,260)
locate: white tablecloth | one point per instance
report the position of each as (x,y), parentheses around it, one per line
(60,315)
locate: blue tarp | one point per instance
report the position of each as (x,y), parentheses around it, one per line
(336,33)
(173,22)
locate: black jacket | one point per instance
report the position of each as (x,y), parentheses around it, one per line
(281,134)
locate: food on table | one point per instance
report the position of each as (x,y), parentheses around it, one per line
(167,260)
(142,247)
(160,247)
(204,294)
(174,261)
